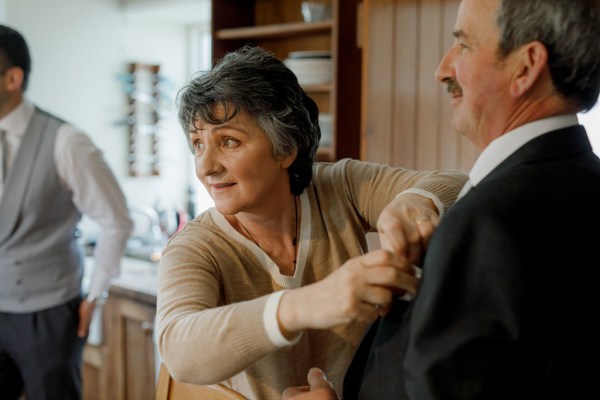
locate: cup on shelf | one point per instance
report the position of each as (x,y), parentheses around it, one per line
(315,11)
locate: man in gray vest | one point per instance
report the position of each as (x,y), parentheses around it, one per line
(50,174)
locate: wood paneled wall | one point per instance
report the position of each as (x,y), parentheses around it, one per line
(406,118)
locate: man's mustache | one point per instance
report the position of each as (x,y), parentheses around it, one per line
(453,87)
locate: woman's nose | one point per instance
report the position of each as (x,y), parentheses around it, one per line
(208,163)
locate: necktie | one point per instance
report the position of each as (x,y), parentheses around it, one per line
(3,159)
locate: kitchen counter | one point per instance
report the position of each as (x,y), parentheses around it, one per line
(136,275)
(136,281)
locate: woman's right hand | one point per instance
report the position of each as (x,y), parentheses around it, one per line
(362,289)
(318,388)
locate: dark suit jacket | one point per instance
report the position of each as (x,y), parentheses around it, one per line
(509,303)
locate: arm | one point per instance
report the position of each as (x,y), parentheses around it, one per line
(403,204)
(97,194)
(209,309)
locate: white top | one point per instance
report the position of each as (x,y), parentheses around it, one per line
(95,191)
(501,148)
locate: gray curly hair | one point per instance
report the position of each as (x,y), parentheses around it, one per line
(253,81)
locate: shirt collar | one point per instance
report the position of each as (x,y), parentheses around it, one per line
(501,148)
(17,121)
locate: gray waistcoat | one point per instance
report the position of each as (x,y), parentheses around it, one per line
(40,262)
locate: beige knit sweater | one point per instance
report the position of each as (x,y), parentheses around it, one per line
(213,283)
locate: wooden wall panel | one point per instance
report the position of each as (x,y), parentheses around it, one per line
(378,128)
(406,112)
(405,66)
(428,38)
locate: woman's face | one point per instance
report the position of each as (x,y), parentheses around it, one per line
(235,162)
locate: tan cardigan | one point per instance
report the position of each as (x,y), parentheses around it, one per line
(213,283)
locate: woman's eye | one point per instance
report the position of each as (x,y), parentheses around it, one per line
(199,146)
(230,142)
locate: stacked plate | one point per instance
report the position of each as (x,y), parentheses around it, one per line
(311,67)
(326,125)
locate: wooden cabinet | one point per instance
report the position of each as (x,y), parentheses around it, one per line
(123,367)
(95,373)
(278,26)
(131,316)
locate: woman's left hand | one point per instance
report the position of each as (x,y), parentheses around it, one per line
(406,225)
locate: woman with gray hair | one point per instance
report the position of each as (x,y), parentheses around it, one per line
(246,295)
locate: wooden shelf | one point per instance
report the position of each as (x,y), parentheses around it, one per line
(319,88)
(277,26)
(274,30)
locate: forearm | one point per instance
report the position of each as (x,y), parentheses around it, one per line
(444,185)
(360,290)
(208,346)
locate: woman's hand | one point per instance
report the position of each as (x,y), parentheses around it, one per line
(361,289)
(406,225)
(319,388)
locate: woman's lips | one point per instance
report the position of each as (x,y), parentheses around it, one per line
(219,187)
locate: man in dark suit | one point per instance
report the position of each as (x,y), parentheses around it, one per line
(508,306)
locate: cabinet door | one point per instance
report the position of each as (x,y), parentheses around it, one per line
(132,348)
(95,380)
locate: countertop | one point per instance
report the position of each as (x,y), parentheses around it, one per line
(136,275)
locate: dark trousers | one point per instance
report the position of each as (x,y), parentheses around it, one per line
(41,354)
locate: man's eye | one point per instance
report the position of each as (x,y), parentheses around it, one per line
(199,146)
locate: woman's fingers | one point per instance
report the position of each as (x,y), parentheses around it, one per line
(362,289)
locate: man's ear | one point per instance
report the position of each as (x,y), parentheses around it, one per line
(531,62)
(13,79)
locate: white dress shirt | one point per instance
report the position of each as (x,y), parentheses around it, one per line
(95,191)
(501,148)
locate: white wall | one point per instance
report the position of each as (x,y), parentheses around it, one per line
(2,11)
(80,46)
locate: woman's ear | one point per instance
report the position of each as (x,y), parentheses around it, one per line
(531,62)
(288,160)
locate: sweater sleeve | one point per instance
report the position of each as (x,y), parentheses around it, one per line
(371,186)
(210,327)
